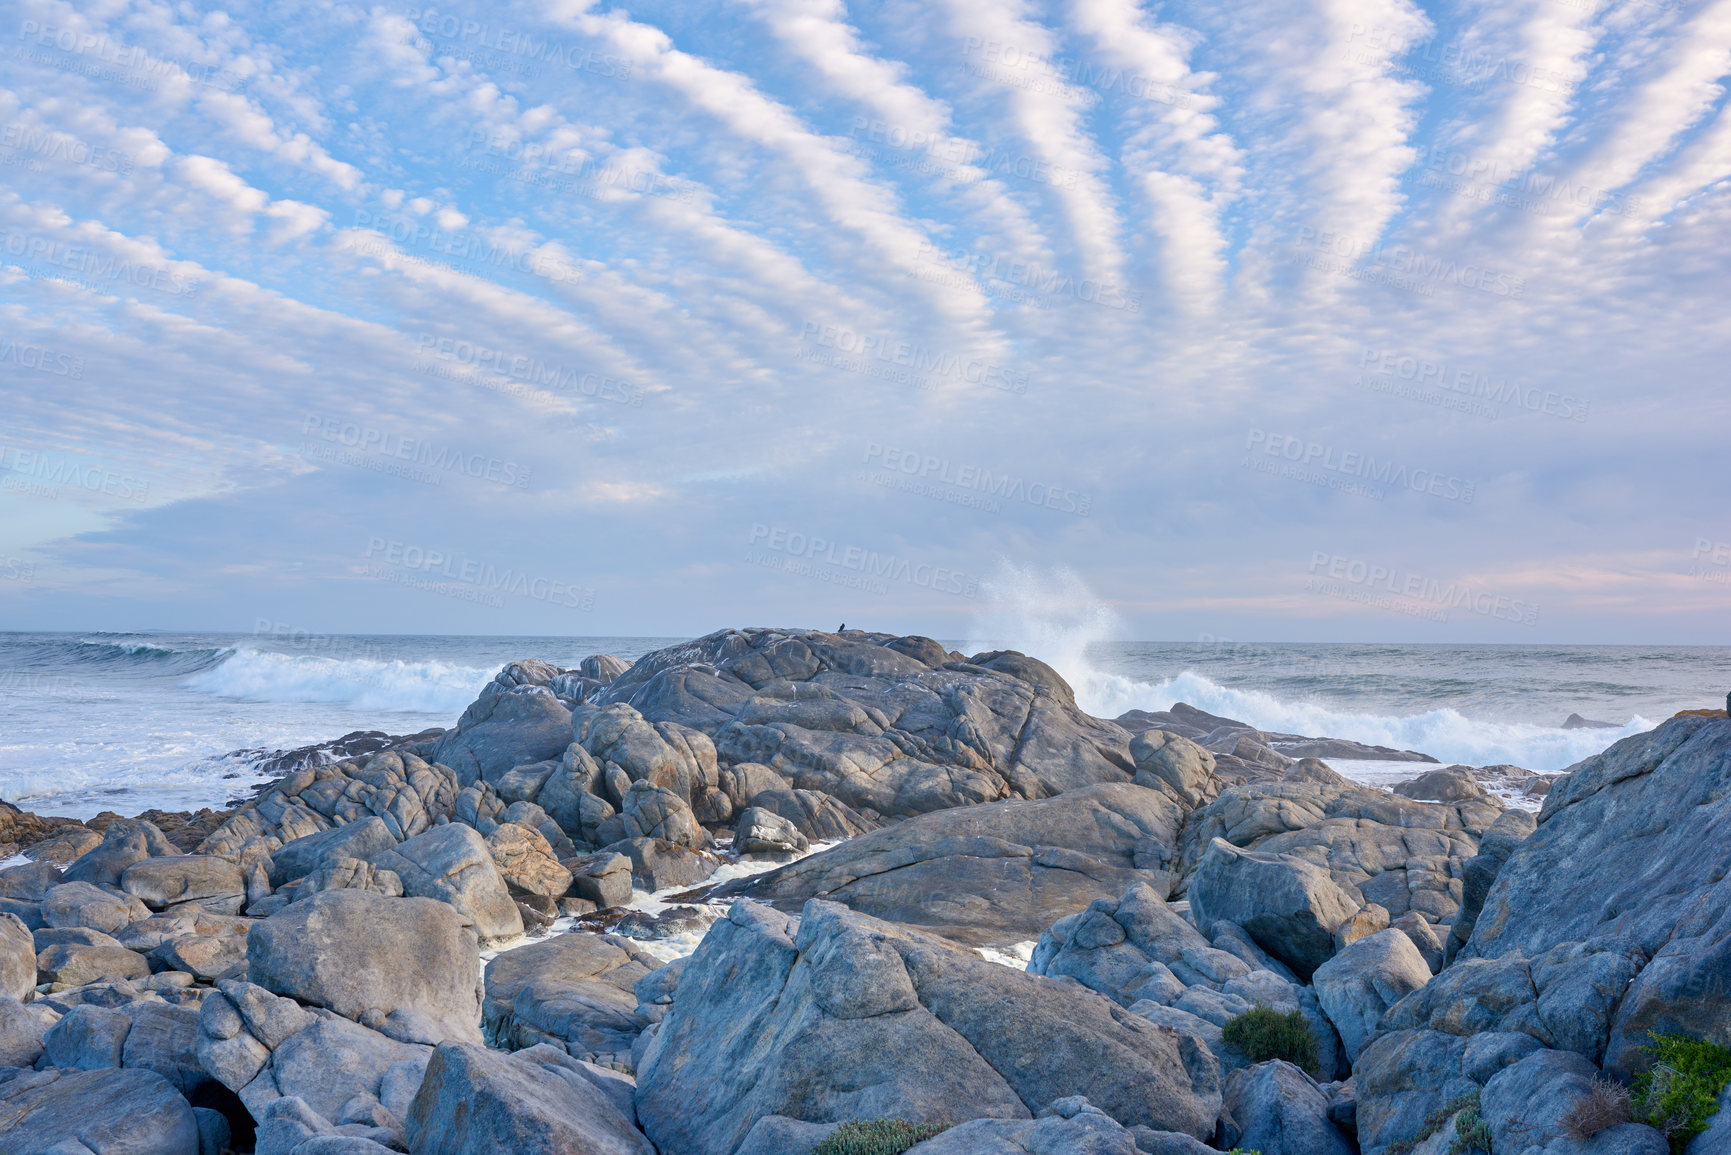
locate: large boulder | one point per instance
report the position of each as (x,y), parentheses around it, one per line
(369,957)
(476,1102)
(17,959)
(126,841)
(885,724)
(75,964)
(1632,858)
(358,840)
(1525,1106)
(991,875)
(840,1016)
(526,861)
(1073,1125)
(1169,762)
(1357,986)
(660,865)
(505,727)
(1275,1107)
(1401,854)
(82,904)
(29,881)
(574,990)
(103,1111)
(1480,871)
(1289,906)
(160,882)
(652,811)
(21,1033)
(453,864)
(816,816)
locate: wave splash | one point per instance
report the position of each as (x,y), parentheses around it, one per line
(396,686)
(1056,618)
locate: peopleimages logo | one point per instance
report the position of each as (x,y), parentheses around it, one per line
(483,576)
(1350,463)
(972,477)
(868,563)
(1370,576)
(415,450)
(1426,374)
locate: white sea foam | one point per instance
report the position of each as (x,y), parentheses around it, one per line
(1056,618)
(429,687)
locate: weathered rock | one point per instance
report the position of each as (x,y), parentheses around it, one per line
(88,1038)
(895,726)
(356,840)
(326,1064)
(452,864)
(1133,948)
(857,1018)
(526,862)
(744,782)
(1289,906)
(75,964)
(17,959)
(356,952)
(1424,937)
(28,913)
(105,1111)
(991,875)
(763,831)
(575,991)
(81,904)
(65,847)
(1478,872)
(1073,1127)
(1450,784)
(1357,986)
(164,1039)
(1365,923)
(21,1033)
(1166,761)
(1405,1076)
(160,882)
(1525,1105)
(604,879)
(30,881)
(652,811)
(125,842)
(476,1102)
(206,957)
(818,817)
(346,874)
(1274,1106)
(658,865)
(503,728)
(1631,856)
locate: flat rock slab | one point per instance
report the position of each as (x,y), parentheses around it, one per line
(995,874)
(106,1111)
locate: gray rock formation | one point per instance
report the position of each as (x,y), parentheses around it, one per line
(991,875)
(526,862)
(82,904)
(1630,858)
(1072,1127)
(1357,986)
(506,726)
(363,955)
(1291,907)
(818,817)
(359,840)
(1275,1107)
(17,959)
(213,882)
(844,1016)
(103,1111)
(453,864)
(761,831)
(575,991)
(477,1102)
(888,725)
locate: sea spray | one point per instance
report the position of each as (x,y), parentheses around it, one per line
(1054,616)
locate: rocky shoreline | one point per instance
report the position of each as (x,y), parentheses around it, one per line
(755,893)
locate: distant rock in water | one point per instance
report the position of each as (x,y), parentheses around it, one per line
(356,744)
(1244,750)
(1576,722)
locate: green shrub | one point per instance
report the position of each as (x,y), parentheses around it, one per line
(1261,1034)
(1472,1133)
(1681,1091)
(876,1137)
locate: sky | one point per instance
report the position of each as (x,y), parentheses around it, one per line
(1325,320)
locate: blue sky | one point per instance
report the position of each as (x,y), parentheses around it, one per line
(1342,319)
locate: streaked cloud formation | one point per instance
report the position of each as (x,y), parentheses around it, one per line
(1290,320)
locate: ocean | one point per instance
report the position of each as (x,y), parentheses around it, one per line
(126,722)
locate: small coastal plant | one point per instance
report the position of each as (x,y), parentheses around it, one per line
(1605,1105)
(1262,1033)
(1439,1118)
(1680,1093)
(876,1137)
(1472,1133)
